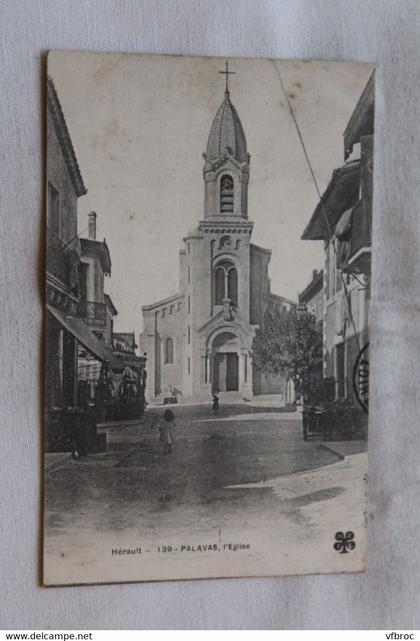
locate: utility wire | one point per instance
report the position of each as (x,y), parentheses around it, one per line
(299,133)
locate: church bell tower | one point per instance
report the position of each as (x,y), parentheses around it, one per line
(225,227)
(226,168)
(200,339)
(215,266)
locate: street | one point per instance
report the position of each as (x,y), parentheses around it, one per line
(239,473)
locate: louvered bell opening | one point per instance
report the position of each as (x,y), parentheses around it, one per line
(226,202)
(226,194)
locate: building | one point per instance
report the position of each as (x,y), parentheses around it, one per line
(198,341)
(64,186)
(79,319)
(342,220)
(95,264)
(312,297)
(95,308)
(122,368)
(69,426)
(124,342)
(110,312)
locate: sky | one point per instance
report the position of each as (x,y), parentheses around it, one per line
(139,126)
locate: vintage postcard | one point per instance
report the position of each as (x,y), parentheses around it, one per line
(207,316)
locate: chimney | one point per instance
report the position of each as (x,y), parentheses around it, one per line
(92,225)
(314,274)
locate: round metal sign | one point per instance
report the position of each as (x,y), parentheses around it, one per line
(361,378)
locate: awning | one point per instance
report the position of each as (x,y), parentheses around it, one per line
(341,194)
(343,227)
(78,328)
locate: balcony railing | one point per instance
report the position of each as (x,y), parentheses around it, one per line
(62,263)
(353,254)
(92,312)
(360,229)
(58,263)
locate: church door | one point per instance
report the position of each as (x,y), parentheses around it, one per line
(226,372)
(232,372)
(219,373)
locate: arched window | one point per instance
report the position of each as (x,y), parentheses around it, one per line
(169,350)
(233,285)
(220,285)
(226,282)
(226,194)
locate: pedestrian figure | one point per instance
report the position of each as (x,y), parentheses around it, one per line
(215,403)
(167,430)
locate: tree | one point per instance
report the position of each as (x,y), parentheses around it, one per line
(289,343)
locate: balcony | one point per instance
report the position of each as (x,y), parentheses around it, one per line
(92,312)
(62,263)
(58,263)
(359,251)
(360,230)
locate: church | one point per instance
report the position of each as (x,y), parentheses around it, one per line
(199,340)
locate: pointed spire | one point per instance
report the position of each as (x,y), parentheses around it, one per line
(226,131)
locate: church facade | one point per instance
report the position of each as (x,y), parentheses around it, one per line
(199,340)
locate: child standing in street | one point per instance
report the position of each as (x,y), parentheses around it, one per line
(215,403)
(167,430)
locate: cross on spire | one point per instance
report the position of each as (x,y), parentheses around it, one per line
(227,73)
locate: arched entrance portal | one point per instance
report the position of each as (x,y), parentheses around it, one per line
(225,363)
